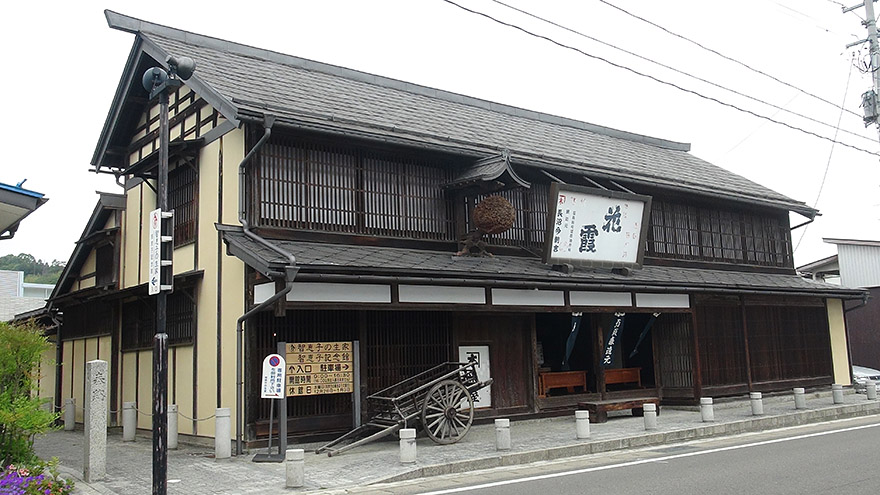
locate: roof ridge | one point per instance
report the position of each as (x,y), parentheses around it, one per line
(133,25)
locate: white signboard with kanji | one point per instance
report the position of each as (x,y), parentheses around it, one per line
(154,247)
(594,227)
(272,384)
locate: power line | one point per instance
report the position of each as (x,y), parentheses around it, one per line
(655,79)
(830,154)
(646,59)
(723,56)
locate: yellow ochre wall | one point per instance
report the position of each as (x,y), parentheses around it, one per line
(219,295)
(219,298)
(839,352)
(76,353)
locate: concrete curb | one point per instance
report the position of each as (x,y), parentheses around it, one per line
(645,440)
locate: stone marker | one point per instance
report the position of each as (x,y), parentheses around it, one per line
(837,393)
(69,414)
(222,434)
(650,411)
(95,422)
(757,403)
(295,468)
(707,409)
(129,421)
(407,445)
(800,401)
(582,423)
(502,434)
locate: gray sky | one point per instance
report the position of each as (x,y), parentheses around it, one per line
(63,65)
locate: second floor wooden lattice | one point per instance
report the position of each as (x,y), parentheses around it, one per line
(303,185)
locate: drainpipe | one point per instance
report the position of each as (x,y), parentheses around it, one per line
(59,356)
(288,276)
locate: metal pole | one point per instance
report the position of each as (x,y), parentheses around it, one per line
(871,24)
(160,341)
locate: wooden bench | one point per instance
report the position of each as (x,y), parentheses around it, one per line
(623,375)
(599,409)
(559,379)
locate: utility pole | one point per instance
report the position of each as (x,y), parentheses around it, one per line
(160,83)
(869,98)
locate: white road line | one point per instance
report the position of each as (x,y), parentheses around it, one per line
(643,461)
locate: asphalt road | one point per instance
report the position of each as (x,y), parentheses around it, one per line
(841,457)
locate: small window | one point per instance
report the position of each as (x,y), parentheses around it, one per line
(104,270)
(182,187)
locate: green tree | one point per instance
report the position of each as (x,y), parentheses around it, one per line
(21,415)
(35,271)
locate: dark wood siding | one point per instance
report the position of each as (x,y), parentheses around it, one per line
(722,344)
(788,343)
(510,353)
(863,327)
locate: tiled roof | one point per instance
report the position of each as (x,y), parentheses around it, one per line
(252,82)
(325,258)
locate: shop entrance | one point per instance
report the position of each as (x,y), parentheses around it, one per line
(627,353)
(594,353)
(566,347)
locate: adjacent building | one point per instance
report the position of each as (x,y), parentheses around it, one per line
(856,265)
(315,204)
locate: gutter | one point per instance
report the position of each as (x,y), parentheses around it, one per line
(287,275)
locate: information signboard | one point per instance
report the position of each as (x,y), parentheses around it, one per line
(597,228)
(318,368)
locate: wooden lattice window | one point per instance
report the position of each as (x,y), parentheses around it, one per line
(182,196)
(139,320)
(688,232)
(322,187)
(88,320)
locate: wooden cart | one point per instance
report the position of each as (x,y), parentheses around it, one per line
(441,399)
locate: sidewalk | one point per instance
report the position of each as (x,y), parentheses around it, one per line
(193,470)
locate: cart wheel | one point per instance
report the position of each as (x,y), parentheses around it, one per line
(448,412)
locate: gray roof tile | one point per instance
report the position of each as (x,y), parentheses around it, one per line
(304,92)
(386,261)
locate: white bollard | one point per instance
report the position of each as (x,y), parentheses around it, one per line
(69,414)
(502,434)
(707,410)
(757,403)
(837,393)
(650,411)
(582,423)
(407,445)
(222,434)
(172,426)
(871,390)
(95,421)
(295,468)
(800,400)
(129,421)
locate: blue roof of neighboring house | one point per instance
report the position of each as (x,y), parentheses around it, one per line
(18,189)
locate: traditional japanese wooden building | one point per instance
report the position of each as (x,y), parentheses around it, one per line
(334,201)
